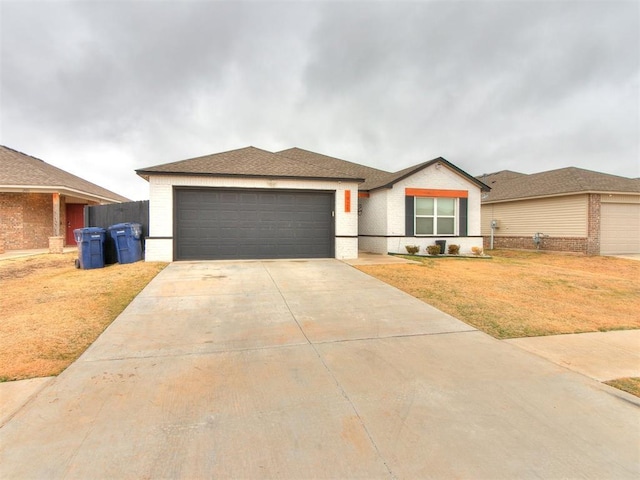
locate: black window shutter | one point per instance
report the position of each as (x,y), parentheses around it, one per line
(408,215)
(463,217)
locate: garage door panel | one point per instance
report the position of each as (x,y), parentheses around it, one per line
(236,224)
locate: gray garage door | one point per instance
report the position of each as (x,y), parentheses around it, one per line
(214,224)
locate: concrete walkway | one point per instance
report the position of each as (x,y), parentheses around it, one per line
(629,256)
(366,258)
(300,369)
(8,254)
(15,395)
(600,355)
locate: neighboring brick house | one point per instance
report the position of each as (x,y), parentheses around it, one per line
(251,203)
(576,210)
(41,205)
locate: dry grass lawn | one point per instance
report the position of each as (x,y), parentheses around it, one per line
(630,385)
(51,311)
(523,294)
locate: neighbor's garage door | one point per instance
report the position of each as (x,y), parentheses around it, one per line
(241,224)
(619,228)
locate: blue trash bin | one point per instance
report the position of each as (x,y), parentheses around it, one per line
(128,241)
(90,242)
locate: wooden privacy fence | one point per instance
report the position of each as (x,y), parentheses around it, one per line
(106,215)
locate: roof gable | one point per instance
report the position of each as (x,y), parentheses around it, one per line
(20,169)
(564,181)
(407,172)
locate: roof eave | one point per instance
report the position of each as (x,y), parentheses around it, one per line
(564,194)
(61,190)
(146,174)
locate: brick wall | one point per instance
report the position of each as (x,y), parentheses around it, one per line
(556,244)
(593,225)
(26,220)
(159,245)
(437,178)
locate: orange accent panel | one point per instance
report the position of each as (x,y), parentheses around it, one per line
(434,192)
(347,201)
(363,195)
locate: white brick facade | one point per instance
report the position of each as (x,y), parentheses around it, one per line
(382,226)
(159,245)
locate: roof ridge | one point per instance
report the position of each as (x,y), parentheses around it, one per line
(359,165)
(250,161)
(328,169)
(354,164)
(25,154)
(506,170)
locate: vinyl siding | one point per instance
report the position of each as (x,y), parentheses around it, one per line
(620,198)
(557,216)
(619,228)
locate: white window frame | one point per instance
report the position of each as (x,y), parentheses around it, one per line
(435,216)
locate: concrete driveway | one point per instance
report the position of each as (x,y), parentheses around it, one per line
(312,369)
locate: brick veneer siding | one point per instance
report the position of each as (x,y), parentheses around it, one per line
(26,220)
(556,244)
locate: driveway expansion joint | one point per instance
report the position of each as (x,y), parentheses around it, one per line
(384,337)
(195,354)
(338,385)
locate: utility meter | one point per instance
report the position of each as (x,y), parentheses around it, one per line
(494,224)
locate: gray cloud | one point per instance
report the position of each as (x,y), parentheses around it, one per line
(103,87)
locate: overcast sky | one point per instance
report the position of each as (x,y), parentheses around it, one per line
(101,88)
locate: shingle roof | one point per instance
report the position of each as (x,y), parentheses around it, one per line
(368,174)
(292,163)
(20,169)
(507,185)
(250,162)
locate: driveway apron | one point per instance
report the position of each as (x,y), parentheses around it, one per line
(312,369)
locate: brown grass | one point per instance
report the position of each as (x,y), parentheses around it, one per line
(51,311)
(630,385)
(522,294)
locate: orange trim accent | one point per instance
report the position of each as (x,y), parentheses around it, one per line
(347,201)
(363,194)
(434,192)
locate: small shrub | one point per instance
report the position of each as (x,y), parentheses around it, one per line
(453,249)
(476,250)
(433,249)
(412,249)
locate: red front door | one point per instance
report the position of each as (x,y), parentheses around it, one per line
(75,219)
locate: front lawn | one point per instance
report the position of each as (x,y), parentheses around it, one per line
(51,312)
(523,294)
